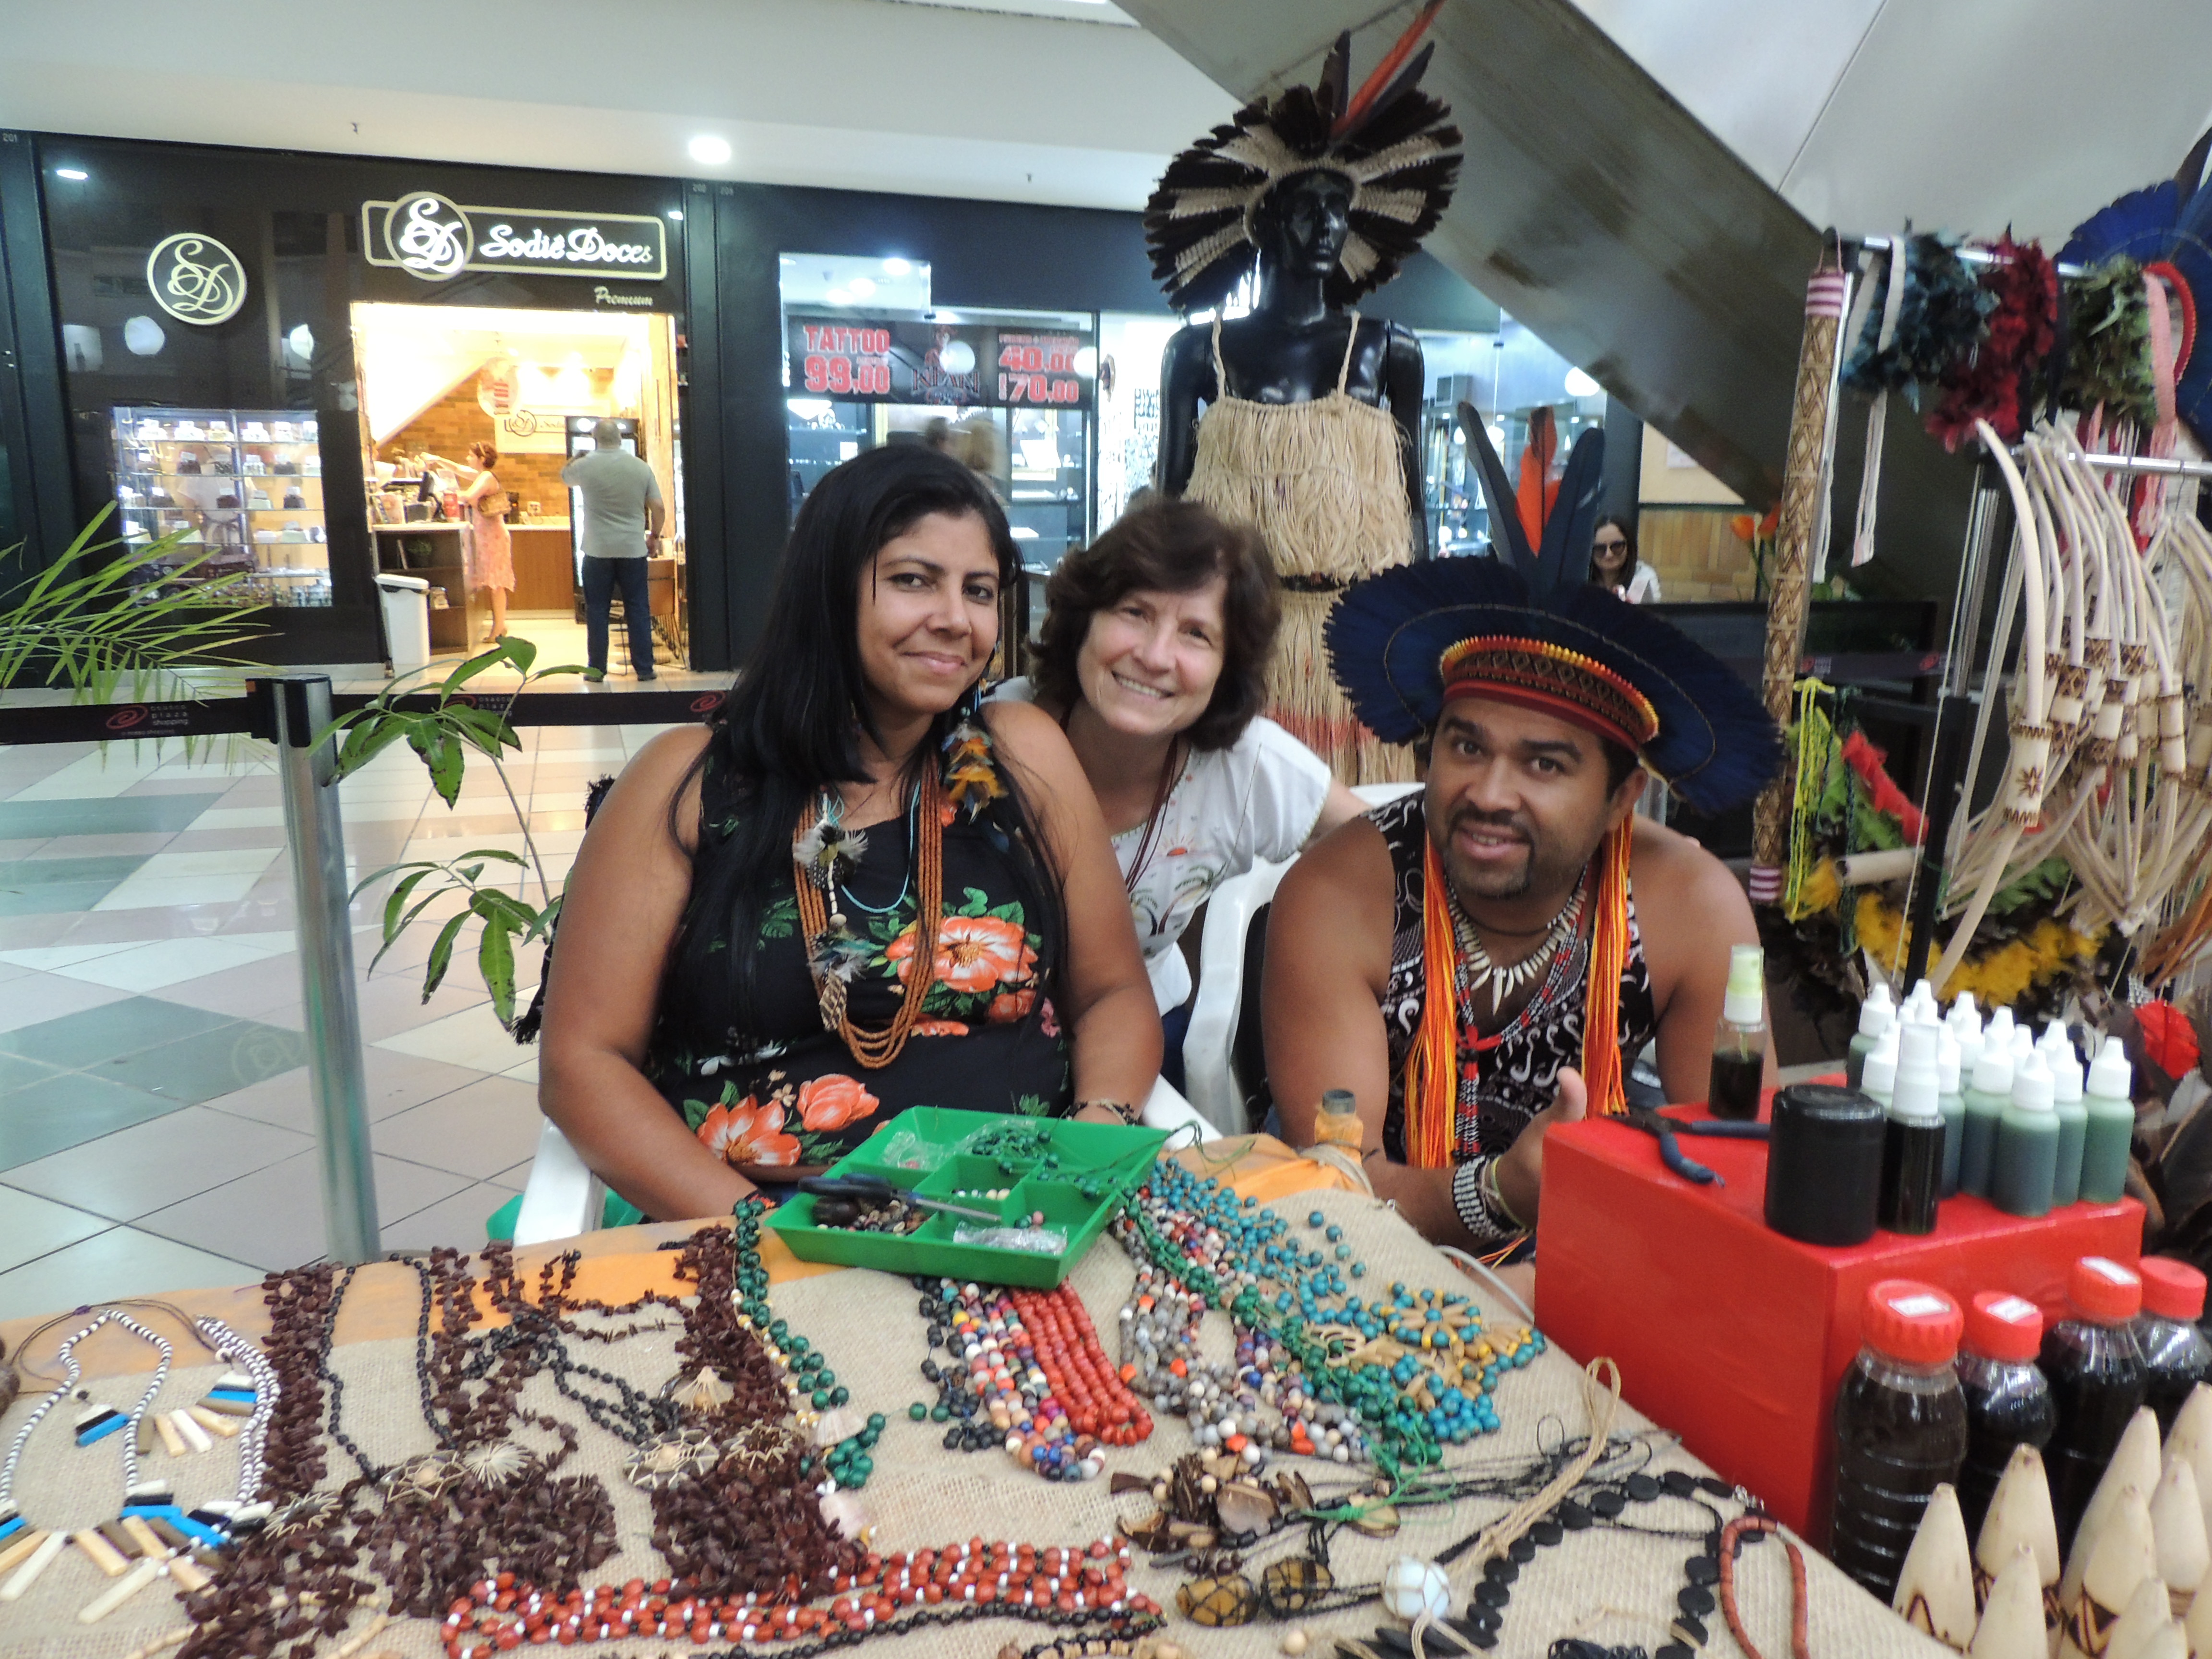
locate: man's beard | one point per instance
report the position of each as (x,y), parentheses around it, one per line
(1546,868)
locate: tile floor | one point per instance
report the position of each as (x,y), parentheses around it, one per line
(156,1131)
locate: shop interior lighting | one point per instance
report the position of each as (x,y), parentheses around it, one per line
(1580,385)
(301,340)
(957,357)
(710,149)
(896,266)
(1086,361)
(810,408)
(838,296)
(676,214)
(78,174)
(860,287)
(144,335)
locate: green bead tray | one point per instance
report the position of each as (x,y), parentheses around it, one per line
(921,1150)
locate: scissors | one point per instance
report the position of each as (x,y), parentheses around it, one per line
(1670,1149)
(873,1189)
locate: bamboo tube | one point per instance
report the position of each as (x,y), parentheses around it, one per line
(1804,477)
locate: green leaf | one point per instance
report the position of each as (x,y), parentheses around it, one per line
(546,918)
(475,666)
(978,901)
(442,954)
(489,901)
(520,652)
(499,853)
(397,903)
(375,876)
(369,737)
(496,961)
(444,758)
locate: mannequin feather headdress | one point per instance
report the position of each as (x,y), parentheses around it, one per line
(1393,141)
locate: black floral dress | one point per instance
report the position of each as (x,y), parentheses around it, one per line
(792,1095)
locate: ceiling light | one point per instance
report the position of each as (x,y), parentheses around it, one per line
(837,296)
(675,213)
(710,149)
(956,357)
(1580,385)
(896,266)
(144,335)
(77,173)
(301,339)
(860,287)
(1496,436)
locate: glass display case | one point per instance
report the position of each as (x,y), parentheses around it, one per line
(243,486)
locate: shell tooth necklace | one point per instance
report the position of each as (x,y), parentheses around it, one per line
(1477,970)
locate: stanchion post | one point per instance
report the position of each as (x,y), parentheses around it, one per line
(316,837)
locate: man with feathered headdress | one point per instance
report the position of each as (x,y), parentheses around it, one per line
(1483,957)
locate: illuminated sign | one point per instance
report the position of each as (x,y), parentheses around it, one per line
(429,237)
(195,278)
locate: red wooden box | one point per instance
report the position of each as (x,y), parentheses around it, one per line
(1734,1337)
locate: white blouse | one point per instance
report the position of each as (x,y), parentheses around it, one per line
(1258,798)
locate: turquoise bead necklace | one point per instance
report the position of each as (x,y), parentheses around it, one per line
(1398,1377)
(814,1386)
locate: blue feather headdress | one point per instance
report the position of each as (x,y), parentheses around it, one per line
(1395,640)
(2167,229)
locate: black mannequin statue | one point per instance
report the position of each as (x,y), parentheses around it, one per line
(1292,347)
(1313,439)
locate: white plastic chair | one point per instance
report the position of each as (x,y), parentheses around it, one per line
(1215,1090)
(563,1198)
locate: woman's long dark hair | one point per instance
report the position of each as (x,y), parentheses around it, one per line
(1598,578)
(793,724)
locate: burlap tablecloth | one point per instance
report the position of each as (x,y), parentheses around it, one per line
(1605,1584)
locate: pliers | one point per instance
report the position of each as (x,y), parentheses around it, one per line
(873,1189)
(1665,1129)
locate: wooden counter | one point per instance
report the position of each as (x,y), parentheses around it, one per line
(545,567)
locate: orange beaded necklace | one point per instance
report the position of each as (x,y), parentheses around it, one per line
(875,1050)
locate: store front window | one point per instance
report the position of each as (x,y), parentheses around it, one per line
(435,380)
(871,361)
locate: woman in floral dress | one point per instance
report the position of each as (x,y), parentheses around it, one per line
(741,994)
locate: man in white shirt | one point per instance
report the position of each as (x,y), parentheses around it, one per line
(621,527)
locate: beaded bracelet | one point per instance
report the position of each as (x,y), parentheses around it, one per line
(1474,1190)
(1134,1116)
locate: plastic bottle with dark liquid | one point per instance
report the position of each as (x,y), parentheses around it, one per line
(1912,1147)
(2175,1355)
(1901,1425)
(1739,1042)
(2008,1401)
(2095,1371)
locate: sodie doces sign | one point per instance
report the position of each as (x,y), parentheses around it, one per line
(428,236)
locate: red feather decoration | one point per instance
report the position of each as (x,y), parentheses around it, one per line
(2167,1038)
(1540,476)
(1985,383)
(1867,758)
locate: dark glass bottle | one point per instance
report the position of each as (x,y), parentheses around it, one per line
(2175,1355)
(2096,1376)
(1900,1430)
(2008,1401)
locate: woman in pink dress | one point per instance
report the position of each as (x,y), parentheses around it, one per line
(491,560)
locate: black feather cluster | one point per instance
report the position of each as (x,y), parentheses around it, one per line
(1300,123)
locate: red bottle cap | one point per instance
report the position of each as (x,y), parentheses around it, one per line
(1912,1321)
(2004,1326)
(2102,1290)
(2171,1289)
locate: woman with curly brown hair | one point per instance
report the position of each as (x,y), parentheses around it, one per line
(1153,658)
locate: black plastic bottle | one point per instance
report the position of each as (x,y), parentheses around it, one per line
(2096,1376)
(2175,1355)
(1901,1425)
(2008,1401)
